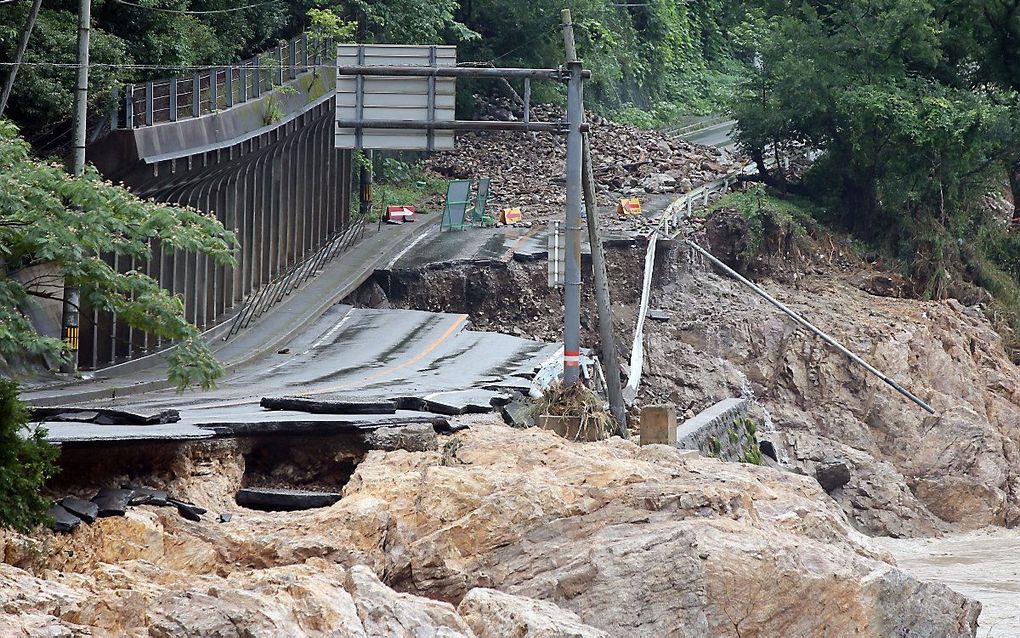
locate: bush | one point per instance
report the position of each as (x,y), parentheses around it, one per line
(26,462)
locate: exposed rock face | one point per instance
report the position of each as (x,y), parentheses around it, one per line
(911,473)
(634,541)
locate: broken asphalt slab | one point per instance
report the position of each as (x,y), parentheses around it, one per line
(284,500)
(85,510)
(329,405)
(112,501)
(63,520)
(101,416)
(470,401)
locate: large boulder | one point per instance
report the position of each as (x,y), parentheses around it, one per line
(633,541)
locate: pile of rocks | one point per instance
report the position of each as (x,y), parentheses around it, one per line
(527,169)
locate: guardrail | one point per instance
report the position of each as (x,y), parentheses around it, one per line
(264,298)
(700,125)
(216,88)
(684,205)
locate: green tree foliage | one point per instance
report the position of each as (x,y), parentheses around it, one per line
(906,149)
(652,53)
(52,220)
(26,462)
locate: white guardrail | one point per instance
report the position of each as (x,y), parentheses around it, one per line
(682,207)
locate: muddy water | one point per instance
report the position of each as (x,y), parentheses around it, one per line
(984,565)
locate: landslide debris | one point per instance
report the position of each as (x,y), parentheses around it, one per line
(528,170)
(602,537)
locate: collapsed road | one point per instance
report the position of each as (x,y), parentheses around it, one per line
(361,368)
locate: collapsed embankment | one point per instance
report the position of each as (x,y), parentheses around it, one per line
(522,530)
(912,474)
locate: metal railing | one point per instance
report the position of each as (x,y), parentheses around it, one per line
(684,205)
(262,299)
(216,88)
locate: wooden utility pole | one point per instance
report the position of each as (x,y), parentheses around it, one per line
(617,407)
(22,45)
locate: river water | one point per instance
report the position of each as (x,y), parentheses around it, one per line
(984,565)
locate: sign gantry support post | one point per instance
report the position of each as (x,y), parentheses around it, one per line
(406,103)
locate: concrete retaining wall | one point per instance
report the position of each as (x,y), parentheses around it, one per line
(722,431)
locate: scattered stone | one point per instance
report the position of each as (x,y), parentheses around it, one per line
(832,475)
(417,437)
(85,510)
(284,500)
(149,496)
(63,520)
(112,501)
(494,614)
(659,315)
(225,517)
(628,161)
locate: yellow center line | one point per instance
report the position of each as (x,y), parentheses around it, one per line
(388,371)
(520,240)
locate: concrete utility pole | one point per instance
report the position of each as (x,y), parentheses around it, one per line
(572,278)
(617,406)
(69,318)
(22,45)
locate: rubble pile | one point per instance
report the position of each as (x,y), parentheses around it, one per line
(527,169)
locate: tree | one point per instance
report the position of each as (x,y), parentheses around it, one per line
(26,462)
(866,82)
(49,218)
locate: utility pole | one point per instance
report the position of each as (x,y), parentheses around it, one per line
(572,278)
(22,45)
(617,406)
(69,316)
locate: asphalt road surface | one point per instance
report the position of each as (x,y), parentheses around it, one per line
(717,135)
(349,353)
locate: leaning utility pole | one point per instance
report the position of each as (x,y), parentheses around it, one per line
(617,406)
(22,45)
(69,316)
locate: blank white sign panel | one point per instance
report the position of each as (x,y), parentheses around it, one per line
(394,98)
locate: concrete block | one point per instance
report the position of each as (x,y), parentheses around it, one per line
(658,424)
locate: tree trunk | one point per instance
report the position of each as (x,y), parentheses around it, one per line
(1014,189)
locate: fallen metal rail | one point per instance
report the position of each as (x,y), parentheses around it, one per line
(264,298)
(811,327)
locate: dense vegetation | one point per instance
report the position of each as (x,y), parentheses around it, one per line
(661,55)
(915,105)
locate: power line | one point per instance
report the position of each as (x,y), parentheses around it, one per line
(188,12)
(164,67)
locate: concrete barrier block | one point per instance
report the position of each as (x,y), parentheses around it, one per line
(658,424)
